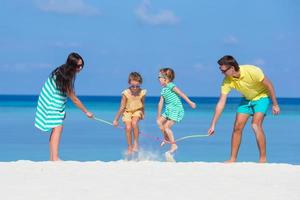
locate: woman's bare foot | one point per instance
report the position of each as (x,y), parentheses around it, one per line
(230,161)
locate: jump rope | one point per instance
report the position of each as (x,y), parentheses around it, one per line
(157,139)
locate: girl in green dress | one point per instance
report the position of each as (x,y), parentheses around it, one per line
(174,111)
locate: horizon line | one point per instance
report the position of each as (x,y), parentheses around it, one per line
(91,95)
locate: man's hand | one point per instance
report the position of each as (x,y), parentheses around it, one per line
(275,109)
(211,130)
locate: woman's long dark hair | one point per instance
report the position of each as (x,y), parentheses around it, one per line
(65,74)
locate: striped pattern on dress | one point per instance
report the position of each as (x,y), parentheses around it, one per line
(50,111)
(173,105)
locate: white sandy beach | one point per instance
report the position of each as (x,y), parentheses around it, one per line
(148,180)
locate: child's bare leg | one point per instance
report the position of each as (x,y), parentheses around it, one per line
(128,136)
(169,132)
(135,126)
(54,141)
(161,124)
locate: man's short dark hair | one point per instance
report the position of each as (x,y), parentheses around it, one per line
(229,61)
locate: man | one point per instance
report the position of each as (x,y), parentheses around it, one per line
(256,89)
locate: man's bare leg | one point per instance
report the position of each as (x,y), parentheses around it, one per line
(257,121)
(239,124)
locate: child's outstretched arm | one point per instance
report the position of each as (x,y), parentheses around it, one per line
(121,110)
(182,95)
(160,106)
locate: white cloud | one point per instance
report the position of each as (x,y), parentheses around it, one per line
(163,17)
(78,7)
(198,67)
(232,40)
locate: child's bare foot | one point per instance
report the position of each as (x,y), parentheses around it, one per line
(169,157)
(163,143)
(135,148)
(129,151)
(173,148)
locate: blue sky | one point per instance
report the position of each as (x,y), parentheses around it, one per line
(117,37)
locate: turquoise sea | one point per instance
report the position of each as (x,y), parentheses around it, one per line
(84,139)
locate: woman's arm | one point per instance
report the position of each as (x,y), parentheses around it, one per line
(160,106)
(218,111)
(269,86)
(121,110)
(78,103)
(182,95)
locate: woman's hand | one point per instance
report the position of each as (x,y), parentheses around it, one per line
(89,114)
(193,105)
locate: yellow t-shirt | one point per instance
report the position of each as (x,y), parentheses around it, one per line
(133,103)
(249,83)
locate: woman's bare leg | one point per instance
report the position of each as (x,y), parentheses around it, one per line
(54,141)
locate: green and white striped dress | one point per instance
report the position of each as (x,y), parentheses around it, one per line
(173,106)
(50,111)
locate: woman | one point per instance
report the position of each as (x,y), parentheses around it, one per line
(50,112)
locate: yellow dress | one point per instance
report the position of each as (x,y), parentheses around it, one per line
(134,105)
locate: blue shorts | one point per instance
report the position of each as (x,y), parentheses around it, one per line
(250,107)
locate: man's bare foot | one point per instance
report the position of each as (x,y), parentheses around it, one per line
(56,160)
(173,148)
(262,160)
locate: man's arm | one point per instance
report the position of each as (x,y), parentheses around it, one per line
(218,111)
(269,86)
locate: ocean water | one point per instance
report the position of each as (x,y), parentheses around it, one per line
(84,139)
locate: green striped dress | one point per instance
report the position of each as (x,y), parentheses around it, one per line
(50,111)
(173,106)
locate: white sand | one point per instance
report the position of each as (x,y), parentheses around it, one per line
(148,180)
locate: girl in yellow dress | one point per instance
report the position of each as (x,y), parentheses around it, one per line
(132,108)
